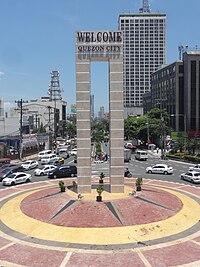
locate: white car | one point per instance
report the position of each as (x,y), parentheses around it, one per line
(160,168)
(191,176)
(17,178)
(44,153)
(195,168)
(45,170)
(45,160)
(74,152)
(29,164)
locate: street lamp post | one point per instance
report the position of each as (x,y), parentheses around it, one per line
(185,128)
(147,123)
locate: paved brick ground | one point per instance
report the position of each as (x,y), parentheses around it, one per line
(153,205)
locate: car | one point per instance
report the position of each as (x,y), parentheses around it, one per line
(9,170)
(63,171)
(73,152)
(195,168)
(44,153)
(4,161)
(160,168)
(63,153)
(191,176)
(30,164)
(17,178)
(45,160)
(56,161)
(6,166)
(44,171)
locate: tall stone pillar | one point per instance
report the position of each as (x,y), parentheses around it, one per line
(116,125)
(83,125)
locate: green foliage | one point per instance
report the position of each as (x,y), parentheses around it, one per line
(100,131)
(100,189)
(71,128)
(137,127)
(98,148)
(138,181)
(61,184)
(102,175)
(182,156)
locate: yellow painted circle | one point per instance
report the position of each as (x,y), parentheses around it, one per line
(12,216)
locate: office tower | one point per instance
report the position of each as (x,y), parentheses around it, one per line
(101,113)
(1,107)
(144,36)
(92,106)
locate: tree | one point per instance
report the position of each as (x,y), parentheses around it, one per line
(139,127)
(193,144)
(71,128)
(99,130)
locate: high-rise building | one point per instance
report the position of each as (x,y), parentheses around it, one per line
(175,88)
(144,36)
(1,107)
(92,106)
(101,113)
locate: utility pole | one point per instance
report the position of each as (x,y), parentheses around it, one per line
(20,106)
(49,122)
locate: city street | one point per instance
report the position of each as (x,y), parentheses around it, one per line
(137,168)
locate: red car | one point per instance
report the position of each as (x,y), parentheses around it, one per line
(6,166)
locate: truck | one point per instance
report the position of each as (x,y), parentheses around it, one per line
(127,155)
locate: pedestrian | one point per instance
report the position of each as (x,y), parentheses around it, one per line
(106,157)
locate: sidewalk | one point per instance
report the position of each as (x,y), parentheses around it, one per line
(17,161)
(154,153)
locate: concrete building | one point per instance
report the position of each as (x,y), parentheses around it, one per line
(176,88)
(1,107)
(92,106)
(144,37)
(41,111)
(101,113)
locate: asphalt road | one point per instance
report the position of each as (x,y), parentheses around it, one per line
(137,168)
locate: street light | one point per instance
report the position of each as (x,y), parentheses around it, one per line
(185,129)
(147,123)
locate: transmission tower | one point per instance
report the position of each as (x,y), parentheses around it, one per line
(145,7)
(54,87)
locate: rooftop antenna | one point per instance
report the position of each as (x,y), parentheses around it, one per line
(145,7)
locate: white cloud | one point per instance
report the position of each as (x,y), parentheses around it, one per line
(1,74)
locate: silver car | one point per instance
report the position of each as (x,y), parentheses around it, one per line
(191,176)
(44,171)
(195,168)
(17,178)
(29,164)
(160,168)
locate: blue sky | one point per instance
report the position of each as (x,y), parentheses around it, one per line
(39,36)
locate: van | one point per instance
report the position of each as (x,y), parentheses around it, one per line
(127,155)
(47,158)
(141,155)
(43,153)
